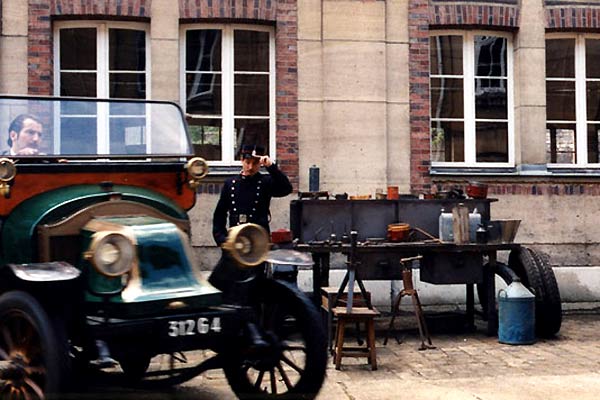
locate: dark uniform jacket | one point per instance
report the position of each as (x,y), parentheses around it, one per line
(247,199)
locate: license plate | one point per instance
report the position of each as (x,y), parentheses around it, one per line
(191,327)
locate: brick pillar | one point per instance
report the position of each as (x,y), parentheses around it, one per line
(418,57)
(39,43)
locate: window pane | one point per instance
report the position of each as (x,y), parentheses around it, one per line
(127,135)
(593,101)
(78,48)
(128,86)
(593,143)
(127,50)
(491,141)
(446,55)
(203,50)
(592,55)
(206,137)
(446,98)
(251,131)
(251,51)
(560,100)
(78,84)
(78,107)
(78,136)
(491,98)
(251,95)
(560,143)
(490,56)
(560,58)
(447,141)
(203,92)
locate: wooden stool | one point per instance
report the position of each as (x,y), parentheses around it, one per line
(356,315)
(327,299)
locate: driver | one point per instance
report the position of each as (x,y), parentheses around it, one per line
(24,136)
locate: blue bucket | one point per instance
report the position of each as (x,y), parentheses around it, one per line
(516,315)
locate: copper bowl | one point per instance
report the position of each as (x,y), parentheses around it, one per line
(398,232)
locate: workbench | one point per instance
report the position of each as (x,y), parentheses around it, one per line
(321,227)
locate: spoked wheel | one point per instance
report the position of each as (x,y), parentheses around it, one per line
(291,364)
(165,370)
(33,349)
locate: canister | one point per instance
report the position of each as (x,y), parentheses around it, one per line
(516,314)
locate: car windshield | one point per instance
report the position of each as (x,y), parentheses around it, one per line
(88,128)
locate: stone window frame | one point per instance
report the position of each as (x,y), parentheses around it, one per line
(228,158)
(581,120)
(469,119)
(102,60)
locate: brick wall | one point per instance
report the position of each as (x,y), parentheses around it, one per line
(573,16)
(418,55)
(452,13)
(282,13)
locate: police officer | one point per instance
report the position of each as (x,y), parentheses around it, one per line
(246,198)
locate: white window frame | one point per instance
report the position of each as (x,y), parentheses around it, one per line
(581,121)
(227,97)
(102,56)
(468,77)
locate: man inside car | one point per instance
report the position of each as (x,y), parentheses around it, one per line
(24,136)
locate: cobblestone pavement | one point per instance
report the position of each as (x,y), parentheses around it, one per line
(462,366)
(475,366)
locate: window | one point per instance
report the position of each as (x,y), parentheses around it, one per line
(572,99)
(101,59)
(471,99)
(228,89)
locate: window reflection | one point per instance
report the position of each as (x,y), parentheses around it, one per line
(490,56)
(561,144)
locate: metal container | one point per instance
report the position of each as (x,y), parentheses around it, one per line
(516,315)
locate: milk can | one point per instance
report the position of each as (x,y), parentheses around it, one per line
(516,314)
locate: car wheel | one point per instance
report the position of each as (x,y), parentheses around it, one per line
(33,348)
(292,364)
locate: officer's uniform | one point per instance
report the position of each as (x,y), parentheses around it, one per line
(244,199)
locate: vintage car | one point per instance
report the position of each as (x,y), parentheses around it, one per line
(95,253)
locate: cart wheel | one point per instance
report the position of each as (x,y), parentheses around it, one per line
(293,364)
(502,272)
(550,319)
(33,349)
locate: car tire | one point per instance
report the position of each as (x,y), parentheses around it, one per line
(34,341)
(295,333)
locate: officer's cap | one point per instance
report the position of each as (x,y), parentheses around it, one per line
(252,150)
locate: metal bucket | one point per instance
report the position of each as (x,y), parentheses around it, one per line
(516,315)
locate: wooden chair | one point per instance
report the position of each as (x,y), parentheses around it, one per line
(355,315)
(328,294)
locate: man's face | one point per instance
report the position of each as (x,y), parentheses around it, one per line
(250,166)
(27,141)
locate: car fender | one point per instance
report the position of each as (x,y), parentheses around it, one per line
(44,272)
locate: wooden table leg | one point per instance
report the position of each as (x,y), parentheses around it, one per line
(470,307)
(490,279)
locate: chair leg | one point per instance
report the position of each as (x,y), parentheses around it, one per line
(371,343)
(339,342)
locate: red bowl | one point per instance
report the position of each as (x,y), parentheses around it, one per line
(477,190)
